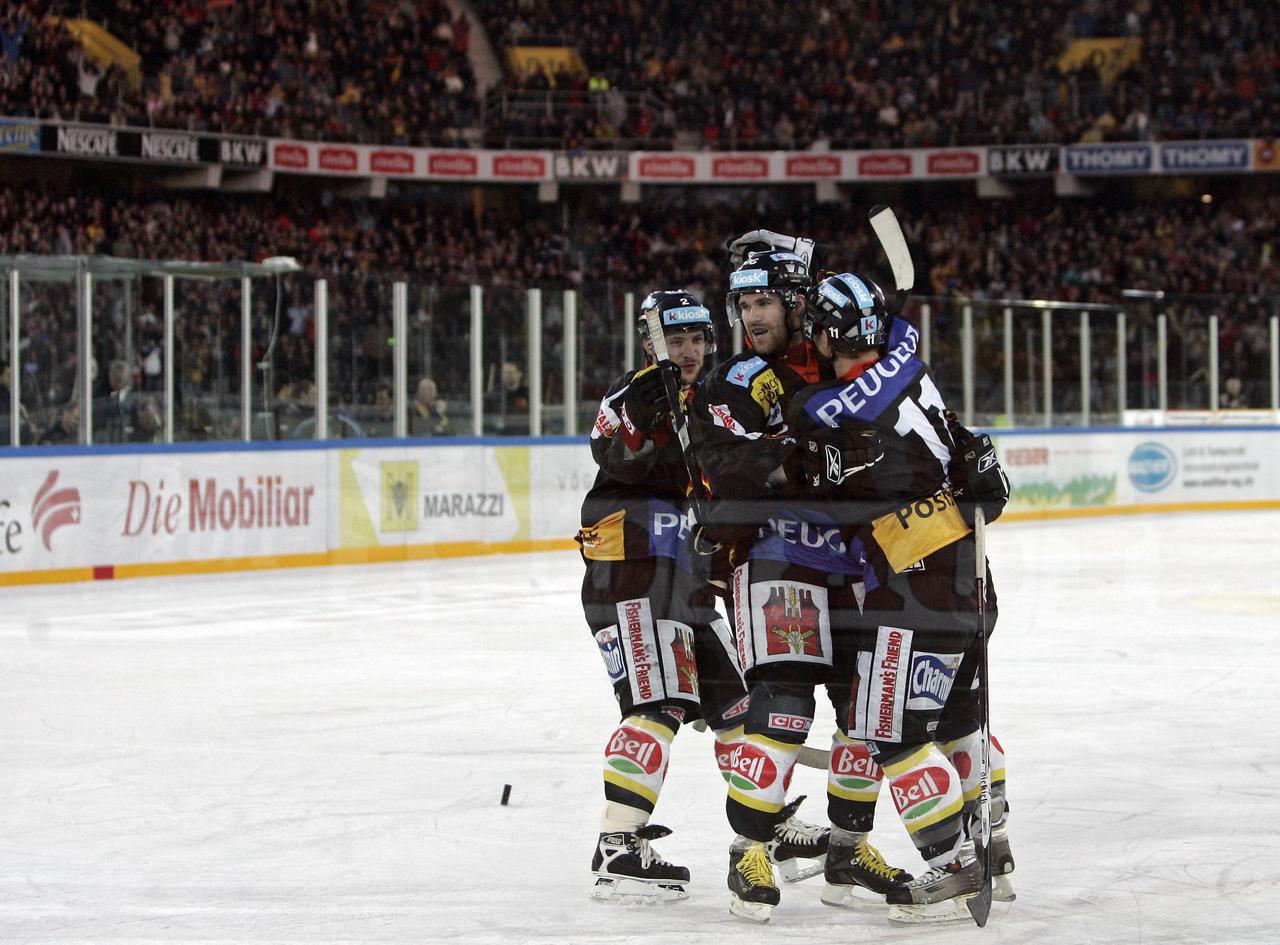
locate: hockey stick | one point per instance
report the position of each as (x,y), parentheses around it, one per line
(679,419)
(894,244)
(980,904)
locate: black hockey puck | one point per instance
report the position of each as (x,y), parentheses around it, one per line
(506,794)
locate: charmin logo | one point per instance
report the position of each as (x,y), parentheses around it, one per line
(399,496)
(52,508)
(931,677)
(1152,467)
(633,751)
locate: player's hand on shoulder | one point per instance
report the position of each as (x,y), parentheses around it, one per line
(840,461)
(977,478)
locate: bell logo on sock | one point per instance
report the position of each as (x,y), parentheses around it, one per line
(918,792)
(750,768)
(633,752)
(854,768)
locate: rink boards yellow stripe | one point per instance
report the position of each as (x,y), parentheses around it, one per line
(377,555)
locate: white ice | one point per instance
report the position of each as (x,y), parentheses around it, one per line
(317,756)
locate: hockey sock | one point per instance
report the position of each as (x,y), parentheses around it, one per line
(926,791)
(759,772)
(635,764)
(999,797)
(853,784)
(965,755)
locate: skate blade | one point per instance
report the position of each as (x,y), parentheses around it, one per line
(759,912)
(1002,889)
(796,870)
(933,913)
(851,897)
(637,890)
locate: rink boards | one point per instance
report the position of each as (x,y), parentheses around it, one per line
(94,513)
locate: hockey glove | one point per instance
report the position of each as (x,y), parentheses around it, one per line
(839,463)
(976,476)
(645,399)
(760,241)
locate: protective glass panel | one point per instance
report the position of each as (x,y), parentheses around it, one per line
(506,361)
(1028,368)
(8,361)
(602,328)
(207,381)
(439,361)
(553,311)
(128,339)
(360,359)
(1103,374)
(1188,345)
(988,366)
(47,362)
(284,354)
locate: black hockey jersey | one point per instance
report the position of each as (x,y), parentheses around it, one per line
(912,513)
(637,507)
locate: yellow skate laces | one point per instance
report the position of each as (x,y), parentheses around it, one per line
(869,858)
(755,867)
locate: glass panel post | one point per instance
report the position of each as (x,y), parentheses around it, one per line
(1122,368)
(628,331)
(966,362)
(1046,355)
(570,316)
(1085,369)
(1008,365)
(477,360)
(322,359)
(246,358)
(1213,361)
(15,365)
(1162,361)
(168,316)
(534,310)
(399,359)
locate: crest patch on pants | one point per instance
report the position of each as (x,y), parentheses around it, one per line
(789,622)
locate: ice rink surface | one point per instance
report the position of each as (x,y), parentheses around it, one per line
(317,756)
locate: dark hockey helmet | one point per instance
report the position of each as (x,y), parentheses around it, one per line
(850,310)
(782,273)
(681,311)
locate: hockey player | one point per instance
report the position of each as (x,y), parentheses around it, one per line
(791,580)
(667,651)
(915,683)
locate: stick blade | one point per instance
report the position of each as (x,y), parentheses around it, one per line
(980,903)
(889,232)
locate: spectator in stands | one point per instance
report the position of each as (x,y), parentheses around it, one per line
(428,414)
(1232,396)
(66,429)
(115,416)
(506,405)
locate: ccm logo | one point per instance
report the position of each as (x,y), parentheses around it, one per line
(789,723)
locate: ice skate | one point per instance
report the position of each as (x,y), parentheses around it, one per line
(856,873)
(626,865)
(937,895)
(794,840)
(752,890)
(1001,866)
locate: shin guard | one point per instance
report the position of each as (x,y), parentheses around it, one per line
(635,762)
(853,784)
(759,773)
(926,792)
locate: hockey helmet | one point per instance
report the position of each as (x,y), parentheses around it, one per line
(782,273)
(681,311)
(850,310)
